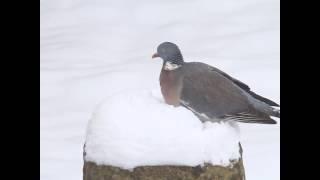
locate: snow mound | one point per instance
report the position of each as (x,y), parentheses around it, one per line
(139,129)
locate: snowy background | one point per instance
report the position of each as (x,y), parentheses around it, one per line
(91,49)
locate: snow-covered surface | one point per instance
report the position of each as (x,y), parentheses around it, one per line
(92,49)
(137,129)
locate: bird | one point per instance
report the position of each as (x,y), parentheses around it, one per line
(211,94)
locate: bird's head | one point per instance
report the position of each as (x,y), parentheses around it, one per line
(169,53)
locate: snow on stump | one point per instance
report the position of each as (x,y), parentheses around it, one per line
(137,136)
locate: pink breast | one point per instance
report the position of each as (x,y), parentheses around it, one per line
(170,87)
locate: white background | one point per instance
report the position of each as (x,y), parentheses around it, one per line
(93,48)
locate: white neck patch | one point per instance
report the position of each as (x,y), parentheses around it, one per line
(170,66)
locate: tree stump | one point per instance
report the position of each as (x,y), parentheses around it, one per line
(235,171)
(136,136)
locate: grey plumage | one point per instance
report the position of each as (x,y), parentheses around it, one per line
(211,94)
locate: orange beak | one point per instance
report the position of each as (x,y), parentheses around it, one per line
(155,55)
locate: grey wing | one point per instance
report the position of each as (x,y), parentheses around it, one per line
(210,96)
(244,87)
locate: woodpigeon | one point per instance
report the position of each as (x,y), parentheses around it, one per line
(209,93)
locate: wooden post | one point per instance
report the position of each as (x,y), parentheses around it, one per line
(235,171)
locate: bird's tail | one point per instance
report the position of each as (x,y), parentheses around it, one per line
(275,113)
